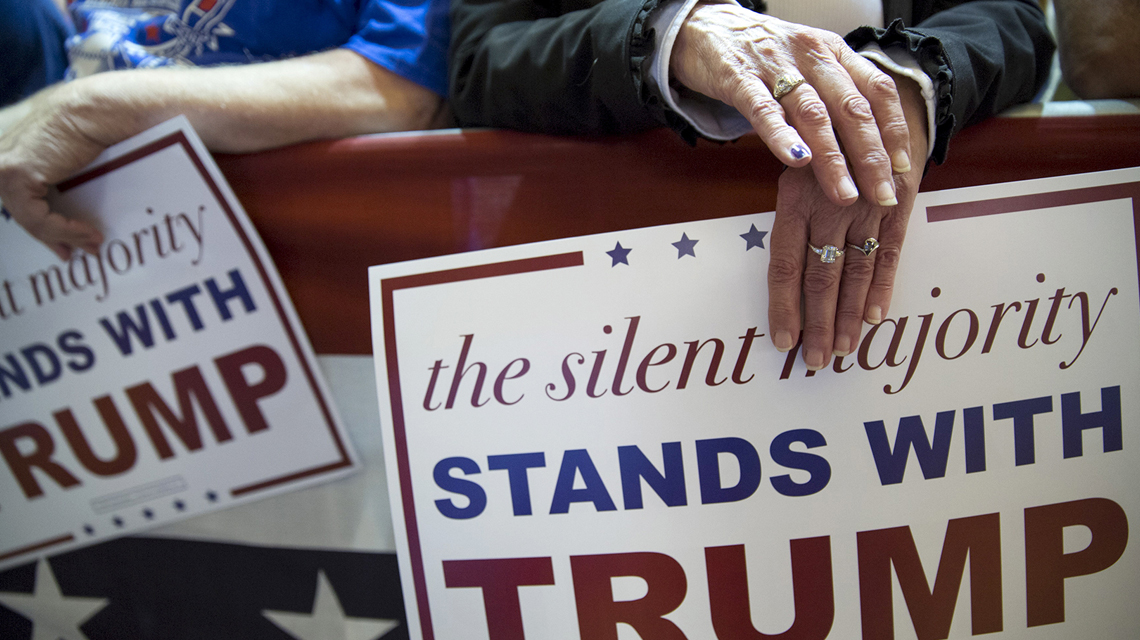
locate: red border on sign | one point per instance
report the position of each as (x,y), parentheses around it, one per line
(1029,202)
(36,546)
(387,288)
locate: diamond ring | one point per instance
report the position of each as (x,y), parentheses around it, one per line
(868,246)
(828,253)
(785,84)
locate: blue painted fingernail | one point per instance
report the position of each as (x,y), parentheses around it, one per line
(4,212)
(799,152)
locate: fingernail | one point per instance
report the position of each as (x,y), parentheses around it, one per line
(900,162)
(783,341)
(885,194)
(814,359)
(874,314)
(799,152)
(842,346)
(847,190)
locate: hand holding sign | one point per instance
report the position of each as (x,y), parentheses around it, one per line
(564,421)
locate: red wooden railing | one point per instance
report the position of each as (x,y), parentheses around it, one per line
(329,210)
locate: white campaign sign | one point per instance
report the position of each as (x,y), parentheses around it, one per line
(165,376)
(594,438)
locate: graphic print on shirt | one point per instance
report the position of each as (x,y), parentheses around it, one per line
(144,34)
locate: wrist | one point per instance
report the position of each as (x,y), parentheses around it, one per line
(98,108)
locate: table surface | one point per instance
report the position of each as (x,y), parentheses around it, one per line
(329,210)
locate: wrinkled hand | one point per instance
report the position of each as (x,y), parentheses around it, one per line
(839,296)
(735,55)
(41,149)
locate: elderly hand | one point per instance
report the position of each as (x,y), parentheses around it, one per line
(737,56)
(44,147)
(837,296)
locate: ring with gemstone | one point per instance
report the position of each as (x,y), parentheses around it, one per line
(869,245)
(785,84)
(828,253)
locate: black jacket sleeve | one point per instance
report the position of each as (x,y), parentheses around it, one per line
(983,56)
(550,66)
(572,67)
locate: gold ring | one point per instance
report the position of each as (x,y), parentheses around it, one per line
(785,84)
(869,246)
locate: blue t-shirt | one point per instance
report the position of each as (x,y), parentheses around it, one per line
(407,37)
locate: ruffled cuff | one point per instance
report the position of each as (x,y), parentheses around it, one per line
(933,61)
(653,94)
(899,61)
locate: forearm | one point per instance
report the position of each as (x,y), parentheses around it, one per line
(252,107)
(13,113)
(982,56)
(524,66)
(1000,53)
(1099,53)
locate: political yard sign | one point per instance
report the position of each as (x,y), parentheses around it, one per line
(164,376)
(594,438)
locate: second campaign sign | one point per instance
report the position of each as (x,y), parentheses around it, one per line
(594,438)
(165,375)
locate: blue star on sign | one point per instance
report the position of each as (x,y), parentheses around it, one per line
(754,238)
(685,246)
(619,255)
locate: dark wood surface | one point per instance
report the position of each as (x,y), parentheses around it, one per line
(329,210)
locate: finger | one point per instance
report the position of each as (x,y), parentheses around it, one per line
(767,117)
(61,250)
(808,114)
(786,266)
(892,232)
(858,271)
(58,232)
(882,93)
(853,118)
(822,274)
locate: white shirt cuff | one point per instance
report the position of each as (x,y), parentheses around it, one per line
(711,118)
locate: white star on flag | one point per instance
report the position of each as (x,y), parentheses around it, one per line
(53,615)
(327,621)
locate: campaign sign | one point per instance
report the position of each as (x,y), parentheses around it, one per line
(163,377)
(595,438)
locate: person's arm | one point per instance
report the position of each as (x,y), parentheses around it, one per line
(527,65)
(243,108)
(984,56)
(332,94)
(533,65)
(1100,55)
